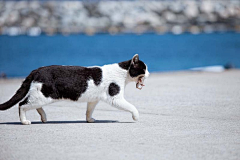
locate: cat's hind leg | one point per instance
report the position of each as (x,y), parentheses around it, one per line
(90,108)
(22,115)
(35,100)
(42,114)
(31,103)
(24,108)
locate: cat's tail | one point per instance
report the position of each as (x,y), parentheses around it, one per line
(20,94)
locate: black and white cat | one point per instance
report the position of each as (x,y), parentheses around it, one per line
(83,84)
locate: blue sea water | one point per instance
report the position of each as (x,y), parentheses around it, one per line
(21,54)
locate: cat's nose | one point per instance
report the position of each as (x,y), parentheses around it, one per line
(147,74)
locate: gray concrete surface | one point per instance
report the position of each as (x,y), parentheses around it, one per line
(183,115)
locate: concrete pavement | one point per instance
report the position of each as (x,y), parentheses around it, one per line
(183,115)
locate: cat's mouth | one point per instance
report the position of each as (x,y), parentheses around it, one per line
(140,82)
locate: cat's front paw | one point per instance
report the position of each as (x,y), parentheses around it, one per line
(91,120)
(135,116)
(26,122)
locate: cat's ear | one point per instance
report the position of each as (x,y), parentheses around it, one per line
(135,59)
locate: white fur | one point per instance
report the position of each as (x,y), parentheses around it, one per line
(147,74)
(110,73)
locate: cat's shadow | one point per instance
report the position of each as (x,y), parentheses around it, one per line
(64,122)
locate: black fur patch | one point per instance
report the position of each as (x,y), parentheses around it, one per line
(68,82)
(137,69)
(125,65)
(134,69)
(113,89)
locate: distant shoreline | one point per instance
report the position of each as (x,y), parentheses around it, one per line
(154,74)
(69,17)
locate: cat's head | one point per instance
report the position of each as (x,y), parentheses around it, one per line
(137,70)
